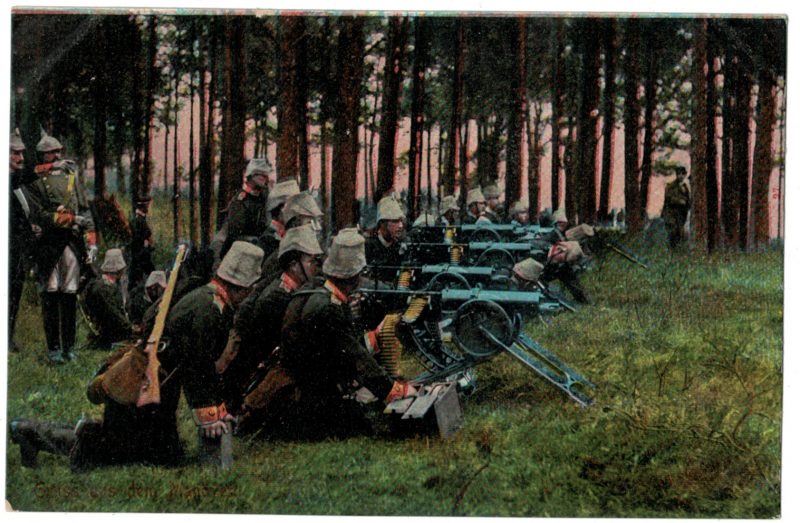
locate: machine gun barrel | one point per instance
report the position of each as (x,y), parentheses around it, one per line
(625,253)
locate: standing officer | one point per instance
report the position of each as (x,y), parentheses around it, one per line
(66,222)
(142,245)
(677,202)
(22,234)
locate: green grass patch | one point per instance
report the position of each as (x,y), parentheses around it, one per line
(686,356)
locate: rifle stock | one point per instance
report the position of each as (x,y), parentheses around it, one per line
(151,390)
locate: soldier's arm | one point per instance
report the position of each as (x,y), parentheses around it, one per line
(117,319)
(354,360)
(201,346)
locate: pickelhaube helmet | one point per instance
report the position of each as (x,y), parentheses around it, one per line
(579,232)
(560,216)
(389,209)
(281,192)
(242,264)
(156,278)
(300,204)
(113,261)
(48,143)
(528,269)
(475,196)
(450,203)
(425,219)
(15,141)
(303,239)
(491,191)
(346,256)
(257,166)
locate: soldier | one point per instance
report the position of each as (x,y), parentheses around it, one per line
(525,274)
(22,232)
(197,330)
(142,245)
(562,260)
(425,219)
(677,202)
(324,354)
(259,321)
(449,210)
(145,295)
(476,207)
(281,192)
(300,209)
(66,222)
(519,213)
(383,247)
(247,213)
(494,209)
(104,305)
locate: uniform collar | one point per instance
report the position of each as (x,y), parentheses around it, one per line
(337,293)
(288,283)
(385,243)
(253,191)
(280,229)
(221,297)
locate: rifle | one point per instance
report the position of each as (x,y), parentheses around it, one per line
(150,391)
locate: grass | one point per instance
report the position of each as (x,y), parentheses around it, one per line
(687,359)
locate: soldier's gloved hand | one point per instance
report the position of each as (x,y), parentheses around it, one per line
(64,217)
(91,254)
(217,428)
(400,389)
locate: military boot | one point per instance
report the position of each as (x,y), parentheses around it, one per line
(52,332)
(68,307)
(33,436)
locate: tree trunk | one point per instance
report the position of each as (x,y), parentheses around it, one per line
(712,187)
(517,112)
(699,127)
(301,82)
(349,67)
(430,183)
(176,175)
(192,230)
(152,79)
(234,114)
(730,204)
(166,146)
(393,74)
(572,189)
(417,115)
(587,124)
(649,117)
(290,34)
(463,164)
(457,108)
(559,81)
(534,158)
(763,157)
(633,202)
(100,99)
(609,118)
(207,157)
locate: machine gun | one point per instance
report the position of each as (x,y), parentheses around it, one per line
(479,232)
(479,324)
(487,254)
(604,241)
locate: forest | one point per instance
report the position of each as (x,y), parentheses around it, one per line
(589,114)
(180,102)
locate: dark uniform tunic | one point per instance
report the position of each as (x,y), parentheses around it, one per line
(196,332)
(20,242)
(138,303)
(106,310)
(677,202)
(247,218)
(58,184)
(141,250)
(324,354)
(379,254)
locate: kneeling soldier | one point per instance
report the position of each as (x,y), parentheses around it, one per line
(103,303)
(197,331)
(324,354)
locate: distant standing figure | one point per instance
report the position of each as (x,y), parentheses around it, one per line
(142,246)
(677,202)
